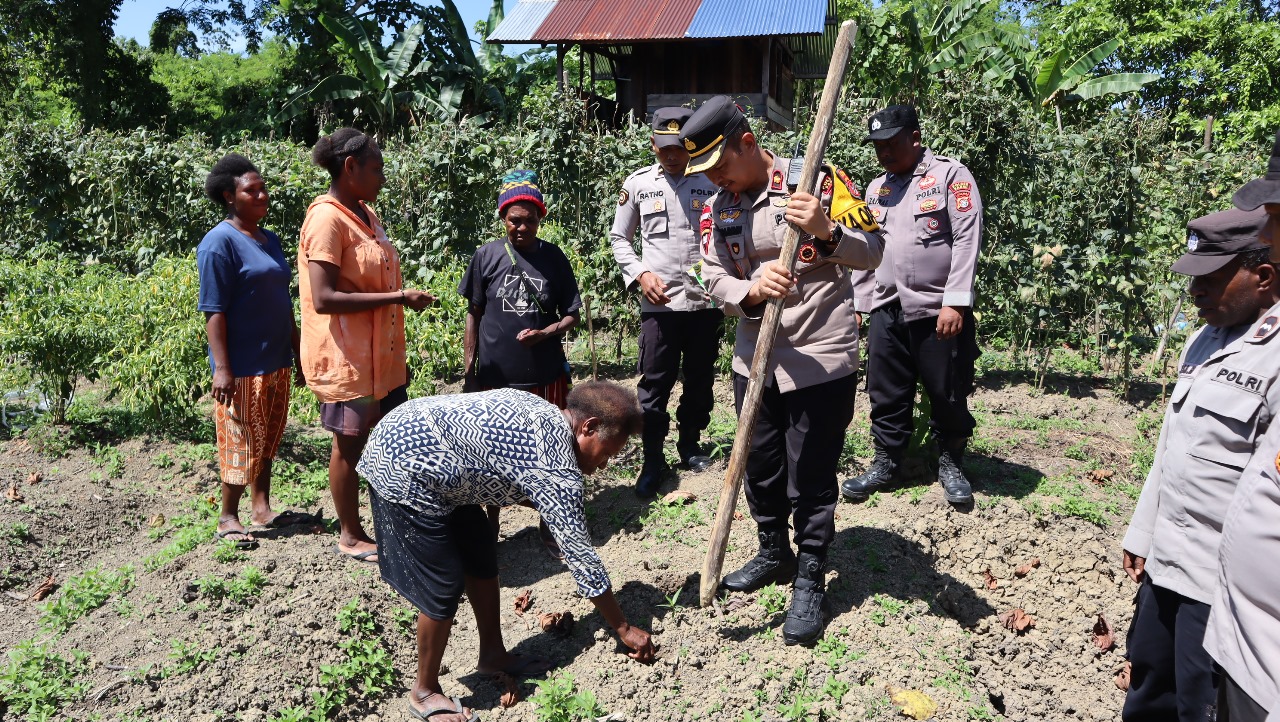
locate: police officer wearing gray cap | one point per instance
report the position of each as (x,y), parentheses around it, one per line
(1225,398)
(1243,631)
(920,302)
(680,327)
(807,404)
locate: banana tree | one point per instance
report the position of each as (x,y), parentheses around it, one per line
(387,83)
(917,54)
(1061,81)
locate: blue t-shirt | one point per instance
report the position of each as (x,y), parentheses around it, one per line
(249,282)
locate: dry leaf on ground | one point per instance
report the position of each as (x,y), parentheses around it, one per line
(990,579)
(1017,620)
(156,521)
(1104,636)
(680,496)
(510,689)
(1100,476)
(35,478)
(47,587)
(737,516)
(1025,569)
(524,600)
(1122,675)
(913,704)
(13,494)
(558,623)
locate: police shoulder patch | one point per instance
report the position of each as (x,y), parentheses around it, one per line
(623,197)
(776,185)
(1266,329)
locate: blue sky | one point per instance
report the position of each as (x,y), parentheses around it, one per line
(135,17)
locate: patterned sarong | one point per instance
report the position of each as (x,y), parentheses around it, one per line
(250,429)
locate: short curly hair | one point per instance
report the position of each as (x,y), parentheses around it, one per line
(332,150)
(222,179)
(615,406)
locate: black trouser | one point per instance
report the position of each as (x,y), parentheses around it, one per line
(1234,704)
(671,342)
(1172,675)
(899,351)
(795,451)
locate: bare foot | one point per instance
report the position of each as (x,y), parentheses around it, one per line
(436,707)
(516,665)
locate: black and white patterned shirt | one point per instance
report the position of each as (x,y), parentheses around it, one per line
(499,447)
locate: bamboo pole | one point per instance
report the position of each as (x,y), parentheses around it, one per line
(733,477)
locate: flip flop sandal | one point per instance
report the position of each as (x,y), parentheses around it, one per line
(360,556)
(243,545)
(289,517)
(450,706)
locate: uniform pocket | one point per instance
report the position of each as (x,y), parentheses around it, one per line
(1225,420)
(653,217)
(931,226)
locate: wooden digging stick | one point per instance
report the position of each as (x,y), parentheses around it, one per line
(772,319)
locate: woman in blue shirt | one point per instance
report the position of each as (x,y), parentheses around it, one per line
(253,342)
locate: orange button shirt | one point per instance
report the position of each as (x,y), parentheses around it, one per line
(347,356)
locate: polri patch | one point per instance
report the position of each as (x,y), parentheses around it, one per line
(961,186)
(657,206)
(623,197)
(1239,379)
(884,191)
(729,215)
(927,182)
(779,219)
(964,203)
(697,204)
(930,205)
(777,181)
(782,202)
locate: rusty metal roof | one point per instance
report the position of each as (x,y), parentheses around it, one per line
(627,21)
(612,20)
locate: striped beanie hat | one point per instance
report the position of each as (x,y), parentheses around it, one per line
(520,185)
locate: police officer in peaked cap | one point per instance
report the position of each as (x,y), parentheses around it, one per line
(1225,399)
(1243,631)
(920,302)
(807,403)
(680,326)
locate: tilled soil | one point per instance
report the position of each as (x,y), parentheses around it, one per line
(918,589)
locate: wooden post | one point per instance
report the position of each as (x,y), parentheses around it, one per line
(591,337)
(733,477)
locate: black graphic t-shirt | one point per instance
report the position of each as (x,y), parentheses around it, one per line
(516,291)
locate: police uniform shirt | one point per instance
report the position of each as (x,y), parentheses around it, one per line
(818,338)
(1225,398)
(666,210)
(932,221)
(1243,632)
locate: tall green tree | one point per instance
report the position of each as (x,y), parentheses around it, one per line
(70,46)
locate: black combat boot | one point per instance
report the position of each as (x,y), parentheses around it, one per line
(954,486)
(809,610)
(884,473)
(691,453)
(775,562)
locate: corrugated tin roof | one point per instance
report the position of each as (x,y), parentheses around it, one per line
(612,20)
(522,22)
(741,18)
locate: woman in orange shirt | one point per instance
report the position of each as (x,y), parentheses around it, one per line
(352,295)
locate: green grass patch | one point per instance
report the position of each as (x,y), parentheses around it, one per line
(243,588)
(667,522)
(37,683)
(82,594)
(558,699)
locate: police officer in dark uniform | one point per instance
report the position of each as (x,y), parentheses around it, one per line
(680,326)
(920,302)
(812,374)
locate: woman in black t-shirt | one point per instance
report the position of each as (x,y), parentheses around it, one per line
(522,298)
